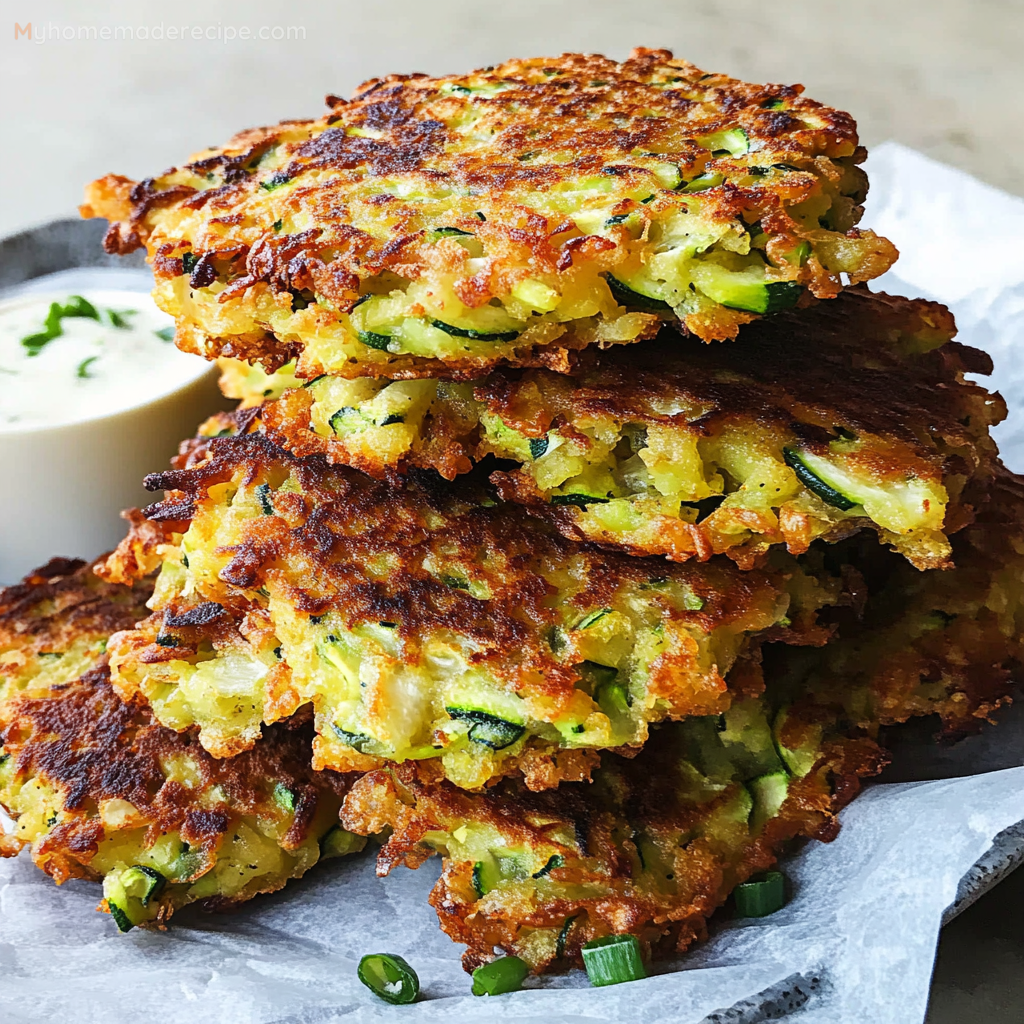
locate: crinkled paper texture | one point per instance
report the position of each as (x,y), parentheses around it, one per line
(854,944)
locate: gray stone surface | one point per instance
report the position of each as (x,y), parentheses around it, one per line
(943,76)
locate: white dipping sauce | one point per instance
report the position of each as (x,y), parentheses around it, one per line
(93,368)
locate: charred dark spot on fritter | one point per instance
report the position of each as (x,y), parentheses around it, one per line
(201,615)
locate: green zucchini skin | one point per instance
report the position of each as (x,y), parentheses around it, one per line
(462,332)
(266,500)
(626,296)
(447,232)
(782,295)
(538,446)
(815,484)
(373,340)
(554,861)
(129,894)
(772,297)
(486,729)
(703,182)
(579,500)
(356,740)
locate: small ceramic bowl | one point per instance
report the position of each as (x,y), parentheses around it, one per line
(63,487)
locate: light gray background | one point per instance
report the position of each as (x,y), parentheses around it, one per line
(943,76)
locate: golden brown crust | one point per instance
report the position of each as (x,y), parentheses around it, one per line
(948,643)
(91,746)
(59,603)
(933,643)
(317,544)
(868,362)
(446,447)
(79,741)
(481,148)
(602,885)
(865,362)
(875,367)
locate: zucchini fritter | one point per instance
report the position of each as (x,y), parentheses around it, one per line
(441,226)
(944,643)
(656,843)
(427,621)
(688,453)
(651,847)
(98,790)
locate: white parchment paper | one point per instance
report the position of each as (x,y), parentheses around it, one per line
(854,944)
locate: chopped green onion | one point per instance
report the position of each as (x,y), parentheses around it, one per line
(165,334)
(117,318)
(761,896)
(613,960)
(82,373)
(388,976)
(78,306)
(35,343)
(500,976)
(188,261)
(278,224)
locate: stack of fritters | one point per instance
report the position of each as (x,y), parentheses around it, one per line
(601,614)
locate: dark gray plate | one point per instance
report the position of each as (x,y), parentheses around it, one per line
(64,245)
